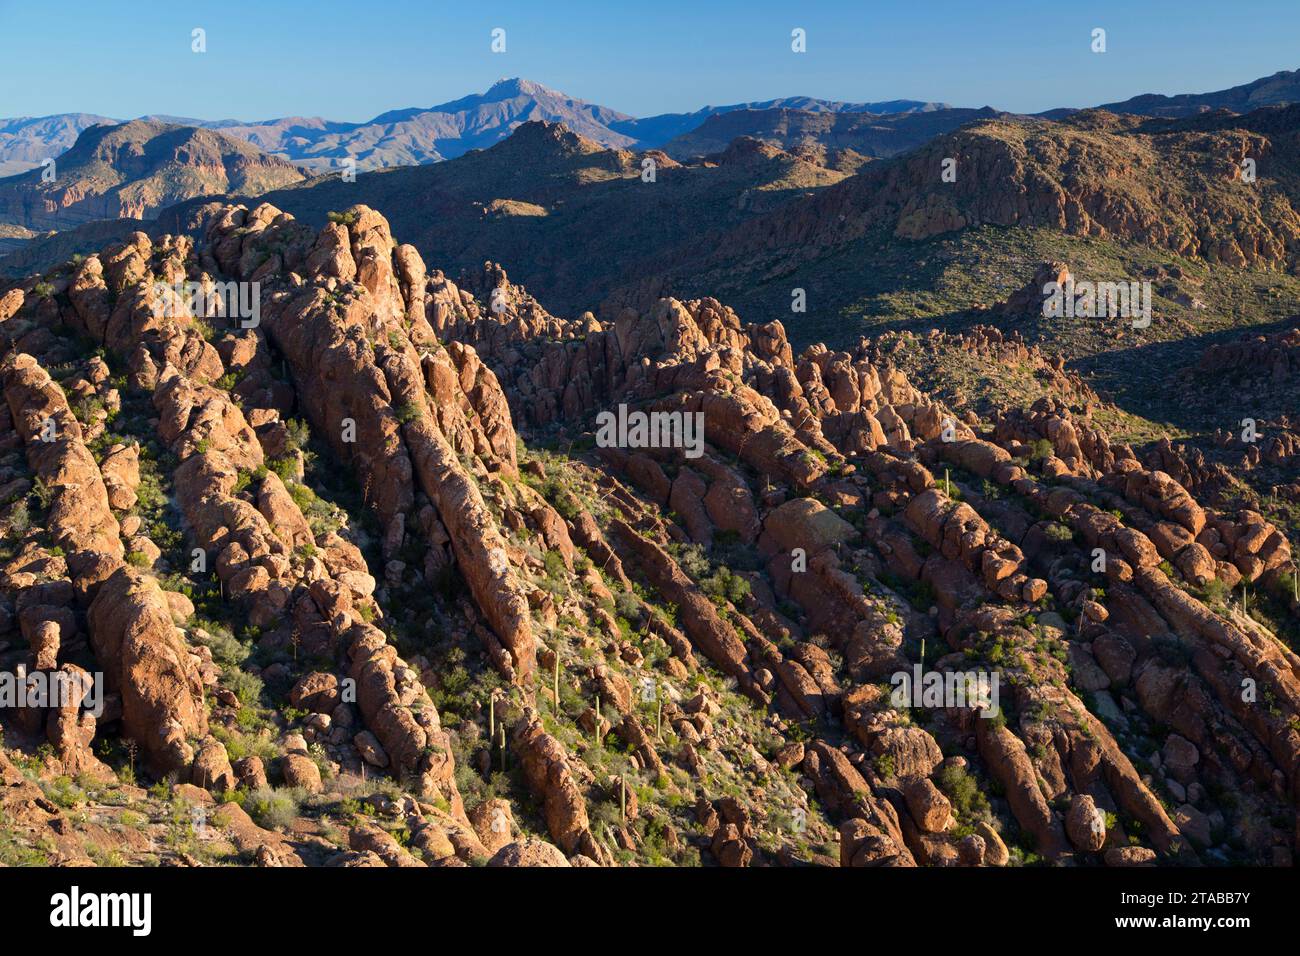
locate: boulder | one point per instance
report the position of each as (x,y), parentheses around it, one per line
(528,853)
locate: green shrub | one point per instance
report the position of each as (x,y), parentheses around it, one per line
(44,494)
(555,568)
(243,478)
(1217,592)
(226,649)
(272,809)
(725,585)
(247,687)
(1056,531)
(627,606)
(693,560)
(286,466)
(64,792)
(299,434)
(20,518)
(302,496)
(963,791)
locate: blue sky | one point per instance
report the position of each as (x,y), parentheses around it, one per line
(353,60)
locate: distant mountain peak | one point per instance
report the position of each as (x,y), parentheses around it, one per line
(509,86)
(431,133)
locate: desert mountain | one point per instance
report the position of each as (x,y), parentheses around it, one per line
(408,137)
(825,132)
(1176,186)
(1165,203)
(1093,174)
(574,651)
(418,135)
(425,135)
(652,131)
(579,225)
(1279,89)
(413,136)
(135,169)
(577,217)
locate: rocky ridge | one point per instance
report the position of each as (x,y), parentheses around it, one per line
(645,656)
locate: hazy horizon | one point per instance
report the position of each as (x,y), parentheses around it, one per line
(293,59)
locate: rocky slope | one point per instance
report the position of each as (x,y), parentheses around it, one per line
(135,169)
(578,219)
(756,220)
(1094,175)
(41,251)
(365,589)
